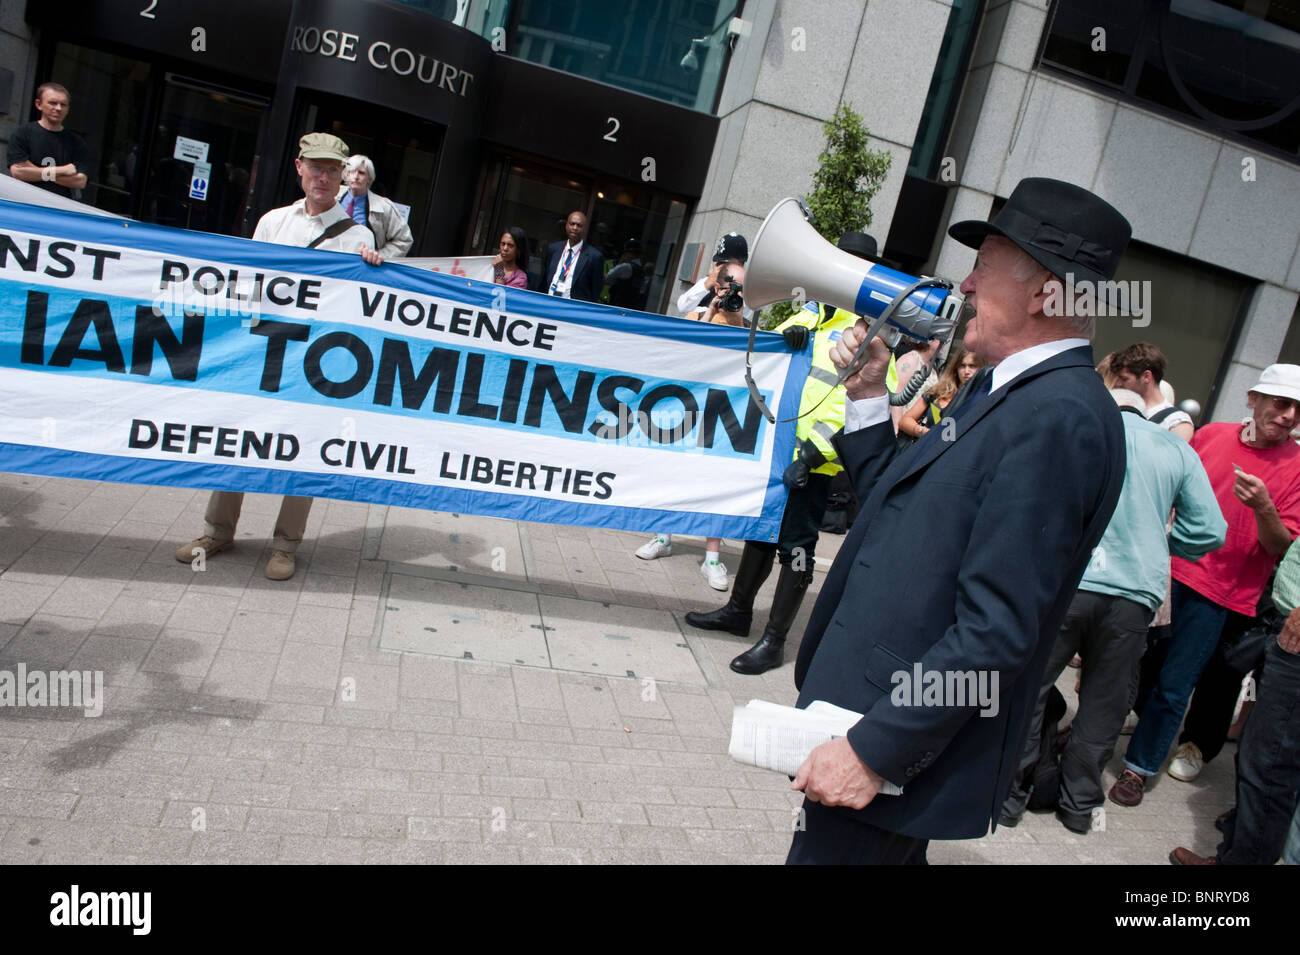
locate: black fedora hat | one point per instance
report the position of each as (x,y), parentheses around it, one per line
(860,244)
(1064,228)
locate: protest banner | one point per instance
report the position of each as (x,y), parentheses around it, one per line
(138,353)
(465,266)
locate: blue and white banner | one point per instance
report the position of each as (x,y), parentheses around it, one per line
(138,353)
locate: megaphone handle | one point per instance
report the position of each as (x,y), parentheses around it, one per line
(886,314)
(860,356)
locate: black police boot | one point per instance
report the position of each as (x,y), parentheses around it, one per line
(736,617)
(769,652)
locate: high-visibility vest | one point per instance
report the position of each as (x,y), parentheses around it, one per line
(821,424)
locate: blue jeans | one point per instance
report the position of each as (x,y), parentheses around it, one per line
(1268,766)
(1197,625)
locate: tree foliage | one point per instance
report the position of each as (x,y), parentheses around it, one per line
(848,177)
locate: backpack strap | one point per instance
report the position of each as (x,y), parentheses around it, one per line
(336,228)
(1161,415)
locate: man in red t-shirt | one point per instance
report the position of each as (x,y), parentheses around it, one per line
(1254,469)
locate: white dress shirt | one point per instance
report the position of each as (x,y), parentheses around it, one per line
(560,286)
(864,412)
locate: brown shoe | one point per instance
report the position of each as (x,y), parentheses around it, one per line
(1128,789)
(1181,856)
(209,545)
(281,565)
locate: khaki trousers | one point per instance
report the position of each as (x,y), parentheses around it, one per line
(222,516)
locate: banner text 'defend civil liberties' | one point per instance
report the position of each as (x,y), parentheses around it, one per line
(138,353)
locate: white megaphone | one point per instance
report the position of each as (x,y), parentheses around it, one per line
(789,260)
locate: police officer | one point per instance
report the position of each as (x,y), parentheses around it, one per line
(808,478)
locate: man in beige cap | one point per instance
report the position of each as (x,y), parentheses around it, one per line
(1254,468)
(316,221)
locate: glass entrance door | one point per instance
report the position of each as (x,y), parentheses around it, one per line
(403,148)
(227,124)
(632,224)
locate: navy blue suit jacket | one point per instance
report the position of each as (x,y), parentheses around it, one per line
(588,271)
(964,557)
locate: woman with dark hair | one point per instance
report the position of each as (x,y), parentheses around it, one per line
(510,265)
(961,367)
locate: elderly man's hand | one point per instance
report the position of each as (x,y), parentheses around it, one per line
(834,776)
(371,256)
(869,381)
(1289,638)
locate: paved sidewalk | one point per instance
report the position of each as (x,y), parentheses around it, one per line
(428,688)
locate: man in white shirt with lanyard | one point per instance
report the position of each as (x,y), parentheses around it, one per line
(574,269)
(316,221)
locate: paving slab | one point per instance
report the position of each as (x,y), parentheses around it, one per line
(463,621)
(462,542)
(610,640)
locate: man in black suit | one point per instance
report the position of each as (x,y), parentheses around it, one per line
(938,616)
(575,269)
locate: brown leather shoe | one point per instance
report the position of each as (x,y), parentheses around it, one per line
(1181,856)
(210,547)
(280,566)
(1128,789)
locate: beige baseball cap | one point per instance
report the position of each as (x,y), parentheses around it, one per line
(323,146)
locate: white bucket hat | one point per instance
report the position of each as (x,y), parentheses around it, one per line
(1280,380)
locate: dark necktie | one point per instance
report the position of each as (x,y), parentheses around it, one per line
(973,394)
(351,203)
(568,260)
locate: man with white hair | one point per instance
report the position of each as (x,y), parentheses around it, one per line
(372,210)
(1001,509)
(1120,591)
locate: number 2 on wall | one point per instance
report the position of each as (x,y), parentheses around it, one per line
(609,136)
(147,12)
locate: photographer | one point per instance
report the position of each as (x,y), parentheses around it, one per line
(731,250)
(728,306)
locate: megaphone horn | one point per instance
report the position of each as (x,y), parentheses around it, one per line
(790,260)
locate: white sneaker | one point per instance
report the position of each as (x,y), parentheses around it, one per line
(715,572)
(654,549)
(1187,763)
(1130,724)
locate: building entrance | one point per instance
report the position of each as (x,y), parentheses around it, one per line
(404,149)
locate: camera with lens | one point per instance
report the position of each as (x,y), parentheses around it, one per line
(730,300)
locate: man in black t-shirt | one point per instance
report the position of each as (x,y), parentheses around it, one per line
(43,152)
